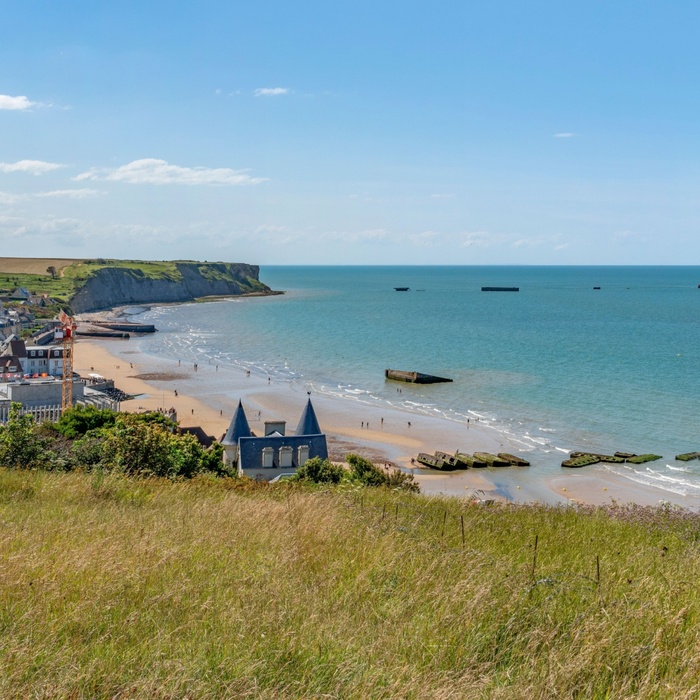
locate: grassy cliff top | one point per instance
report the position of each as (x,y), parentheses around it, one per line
(115,587)
(61,278)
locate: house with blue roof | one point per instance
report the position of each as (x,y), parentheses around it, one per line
(275,452)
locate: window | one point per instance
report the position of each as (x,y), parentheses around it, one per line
(268,455)
(303,455)
(286,454)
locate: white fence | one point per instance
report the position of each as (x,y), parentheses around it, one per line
(52,413)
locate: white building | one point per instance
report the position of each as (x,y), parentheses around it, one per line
(35,360)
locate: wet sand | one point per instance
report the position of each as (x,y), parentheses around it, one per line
(208,396)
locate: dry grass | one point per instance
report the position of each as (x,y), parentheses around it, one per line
(111,588)
(32,266)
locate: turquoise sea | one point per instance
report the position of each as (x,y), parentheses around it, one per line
(558,366)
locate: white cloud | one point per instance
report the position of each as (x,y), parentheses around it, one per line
(536,241)
(34,167)
(369,235)
(425,238)
(442,196)
(564,135)
(16,227)
(16,103)
(13,198)
(269,92)
(153,171)
(54,233)
(480,239)
(71,194)
(628,237)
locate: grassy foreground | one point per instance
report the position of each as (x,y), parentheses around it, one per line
(119,588)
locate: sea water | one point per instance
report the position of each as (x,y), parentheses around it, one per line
(580,358)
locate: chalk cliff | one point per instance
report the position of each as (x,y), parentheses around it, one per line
(117,286)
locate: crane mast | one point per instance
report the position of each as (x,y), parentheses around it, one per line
(67,333)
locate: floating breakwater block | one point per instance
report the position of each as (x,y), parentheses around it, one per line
(641,459)
(413,377)
(491,460)
(513,459)
(580,459)
(687,456)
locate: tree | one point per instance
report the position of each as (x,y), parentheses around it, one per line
(149,448)
(52,271)
(20,446)
(135,447)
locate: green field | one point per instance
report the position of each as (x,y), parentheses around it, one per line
(218,588)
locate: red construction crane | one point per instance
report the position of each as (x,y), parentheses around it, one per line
(67,333)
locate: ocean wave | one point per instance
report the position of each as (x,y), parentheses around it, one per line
(536,440)
(649,477)
(679,469)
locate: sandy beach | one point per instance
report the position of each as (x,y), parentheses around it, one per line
(207,396)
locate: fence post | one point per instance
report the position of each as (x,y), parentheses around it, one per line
(534,556)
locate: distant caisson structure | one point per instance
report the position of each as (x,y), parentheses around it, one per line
(275,453)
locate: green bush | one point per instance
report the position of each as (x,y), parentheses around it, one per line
(366,473)
(20,446)
(212,461)
(78,420)
(87,451)
(321,471)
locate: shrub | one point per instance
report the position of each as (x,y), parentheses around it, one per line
(77,421)
(364,472)
(212,461)
(20,446)
(321,471)
(135,447)
(87,451)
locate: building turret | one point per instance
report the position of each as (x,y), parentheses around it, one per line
(238,428)
(308,423)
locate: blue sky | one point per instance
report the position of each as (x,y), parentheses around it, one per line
(352,133)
